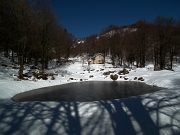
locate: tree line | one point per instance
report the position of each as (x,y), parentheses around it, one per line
(29,30)
(30,33)
(141,42)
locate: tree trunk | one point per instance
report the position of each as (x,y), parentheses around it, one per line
(43,64)
(12,56)
(46,62)
(20,73)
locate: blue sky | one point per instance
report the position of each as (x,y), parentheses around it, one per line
(85,17)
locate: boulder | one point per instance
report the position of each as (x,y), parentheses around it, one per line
(106,73)
(141,79)
(91,76)
(114,77)
(123,72)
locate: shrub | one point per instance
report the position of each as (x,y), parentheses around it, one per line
(52,77)
(44,76)
(40,75)
(33,67)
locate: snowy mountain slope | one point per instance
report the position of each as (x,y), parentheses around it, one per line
(113,32)
(108,34)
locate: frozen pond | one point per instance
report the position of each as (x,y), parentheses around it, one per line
(87,91)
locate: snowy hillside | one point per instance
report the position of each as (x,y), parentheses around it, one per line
(113,32)
(154,113)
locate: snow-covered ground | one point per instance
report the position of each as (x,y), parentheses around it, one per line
(150,114)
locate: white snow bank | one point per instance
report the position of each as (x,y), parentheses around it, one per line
(155,113)
(76,72)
